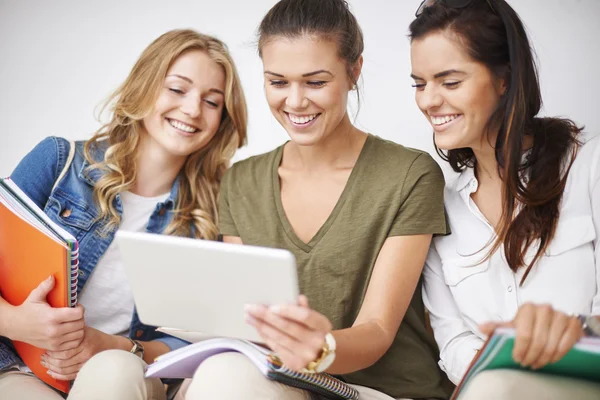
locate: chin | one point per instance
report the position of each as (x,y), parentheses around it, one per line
(448,143)
(305,139)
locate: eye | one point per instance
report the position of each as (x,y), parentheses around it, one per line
(451,85)
(418,86)
(277,83)
(176,90)
(211,103)
(316,84)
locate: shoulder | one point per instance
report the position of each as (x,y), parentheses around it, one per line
(252,170)
(401,161)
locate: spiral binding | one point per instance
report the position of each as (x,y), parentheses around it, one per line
(321,383)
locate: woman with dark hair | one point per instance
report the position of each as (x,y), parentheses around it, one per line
(358,212)
(524,212)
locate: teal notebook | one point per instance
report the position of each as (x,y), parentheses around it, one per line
(582,361)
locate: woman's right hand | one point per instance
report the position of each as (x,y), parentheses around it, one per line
(37,323)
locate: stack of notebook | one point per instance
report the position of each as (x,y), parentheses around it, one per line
(33,247)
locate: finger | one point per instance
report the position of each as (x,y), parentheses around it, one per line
(289,358)
(303,351)
(294,329)
(64,377)
(58,365)
(303,315)
(73,327)
(557,329)
(67,314)
(544,314)
(66,354)
(572,334)
(72,339)
(524,323)
(39,294)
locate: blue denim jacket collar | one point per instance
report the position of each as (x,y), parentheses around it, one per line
(91,176)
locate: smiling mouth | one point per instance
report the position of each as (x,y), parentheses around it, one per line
(182,126)
(441,121)
(302,119)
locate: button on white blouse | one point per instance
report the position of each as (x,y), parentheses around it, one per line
(462,292)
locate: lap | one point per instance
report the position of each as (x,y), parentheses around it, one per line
(232,376)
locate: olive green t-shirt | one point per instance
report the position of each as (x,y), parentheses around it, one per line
(391,191)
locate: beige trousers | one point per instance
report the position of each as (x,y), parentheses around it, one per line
(17,385)
(231,376)
(505,384)
(112,374)
(115,375)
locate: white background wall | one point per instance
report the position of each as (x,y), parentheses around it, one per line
(60,59)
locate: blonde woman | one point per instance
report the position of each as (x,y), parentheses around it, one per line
(156,167)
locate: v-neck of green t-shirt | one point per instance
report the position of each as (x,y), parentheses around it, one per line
(287,226)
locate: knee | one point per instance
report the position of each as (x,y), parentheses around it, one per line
(213,377)
(111,371)
(114,364)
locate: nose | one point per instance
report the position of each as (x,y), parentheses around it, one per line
(296,98)
(191,105)
(429,98)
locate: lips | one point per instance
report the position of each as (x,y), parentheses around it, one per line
(182,126)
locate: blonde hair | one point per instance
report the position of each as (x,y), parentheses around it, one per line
(200,177)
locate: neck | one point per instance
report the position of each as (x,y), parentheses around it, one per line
(156,169)
(339,149)
(486,166)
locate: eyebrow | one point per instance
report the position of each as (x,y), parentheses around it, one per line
(440,74)
(185,78)
(321,71)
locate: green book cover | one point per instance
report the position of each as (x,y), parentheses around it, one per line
(582,361)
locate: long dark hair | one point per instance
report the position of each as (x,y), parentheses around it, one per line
(493,34)
(328,19)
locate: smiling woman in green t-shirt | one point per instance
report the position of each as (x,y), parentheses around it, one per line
(357,211)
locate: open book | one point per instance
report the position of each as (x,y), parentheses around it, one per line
(582,361)
(33,247)
(183,362)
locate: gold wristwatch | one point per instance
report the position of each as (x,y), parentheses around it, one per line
(325,359)
(137,349)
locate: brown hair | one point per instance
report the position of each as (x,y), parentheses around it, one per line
(203,170)
(328,19)
(497,38)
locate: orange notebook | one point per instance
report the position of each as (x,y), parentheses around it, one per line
(32,248)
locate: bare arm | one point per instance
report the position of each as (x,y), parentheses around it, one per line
(392,285)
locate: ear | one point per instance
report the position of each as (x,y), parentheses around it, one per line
(502,81)
(356,70)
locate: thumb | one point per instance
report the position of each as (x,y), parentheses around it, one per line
(303,301)
(39,294)
(488,328)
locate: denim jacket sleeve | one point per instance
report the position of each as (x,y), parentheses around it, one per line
(38,170)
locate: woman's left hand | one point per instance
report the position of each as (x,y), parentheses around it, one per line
(294,332)
(65,365)
(543,335)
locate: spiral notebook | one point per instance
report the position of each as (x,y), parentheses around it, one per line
(33,247)
(183,362)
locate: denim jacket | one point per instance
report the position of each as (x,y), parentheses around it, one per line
(72,206)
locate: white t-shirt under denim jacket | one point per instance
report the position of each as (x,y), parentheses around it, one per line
(461,293)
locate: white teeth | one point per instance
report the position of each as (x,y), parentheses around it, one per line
(443,120)
(181,126)
(302,119)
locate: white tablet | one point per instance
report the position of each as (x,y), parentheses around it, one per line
(202,285)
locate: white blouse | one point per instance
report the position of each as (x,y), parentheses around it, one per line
(462,292)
